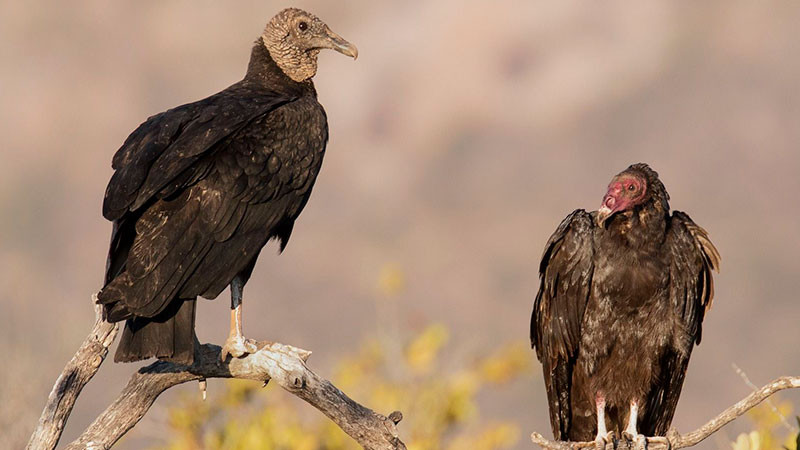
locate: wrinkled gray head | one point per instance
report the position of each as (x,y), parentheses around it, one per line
(294,38)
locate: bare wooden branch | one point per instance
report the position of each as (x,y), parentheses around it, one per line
(674,440)
(283,364)
(78,371)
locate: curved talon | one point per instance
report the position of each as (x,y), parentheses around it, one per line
(600,442)
(628,436)
(639,441)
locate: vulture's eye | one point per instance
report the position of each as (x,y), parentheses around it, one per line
(303,26)
(631,187)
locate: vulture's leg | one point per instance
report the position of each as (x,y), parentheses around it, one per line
(236,344)
(603,436)
(631,433)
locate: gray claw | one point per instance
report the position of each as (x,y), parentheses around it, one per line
(639,441)
(600,442)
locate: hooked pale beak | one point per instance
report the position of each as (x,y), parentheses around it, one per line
(335,42)
(606,209)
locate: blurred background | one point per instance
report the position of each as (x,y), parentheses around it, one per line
(460,138)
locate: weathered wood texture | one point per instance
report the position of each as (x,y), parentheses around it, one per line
(674,440)
(284,364)
(78,371)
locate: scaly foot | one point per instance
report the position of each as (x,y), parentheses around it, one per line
(238,346)
(639,441)
(600,441)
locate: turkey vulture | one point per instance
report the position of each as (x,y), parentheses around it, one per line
(198,190)
(622,297)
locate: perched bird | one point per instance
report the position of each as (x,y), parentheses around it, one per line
(622,297)
(198,190)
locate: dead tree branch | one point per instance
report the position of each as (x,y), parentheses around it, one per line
(282,363)
(79,370)
(674,440)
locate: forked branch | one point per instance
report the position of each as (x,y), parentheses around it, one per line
(674,440)
(79,370)
(284,364)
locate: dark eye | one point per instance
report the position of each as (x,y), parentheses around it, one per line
(303,26)
(631,187)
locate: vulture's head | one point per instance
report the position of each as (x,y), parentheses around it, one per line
(634,189)
(294,38)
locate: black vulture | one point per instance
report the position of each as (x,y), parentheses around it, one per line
(199,189)
(620,306)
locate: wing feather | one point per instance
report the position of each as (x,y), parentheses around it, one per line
(565,273)
(177,178)
(170,146)
(692,259)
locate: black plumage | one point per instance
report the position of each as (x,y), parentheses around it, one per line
(198,190)
(622,298)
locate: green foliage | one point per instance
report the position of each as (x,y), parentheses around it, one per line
(771,430)
(438,402)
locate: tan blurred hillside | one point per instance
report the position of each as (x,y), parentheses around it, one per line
(460,138)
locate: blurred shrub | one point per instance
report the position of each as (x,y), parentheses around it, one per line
(772,431)
(438,401)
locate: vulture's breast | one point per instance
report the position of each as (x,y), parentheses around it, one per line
(624,323)
(631,280)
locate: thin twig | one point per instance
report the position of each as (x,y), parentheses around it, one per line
(771,404)
(673,439)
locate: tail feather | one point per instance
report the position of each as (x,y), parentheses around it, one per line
(168,336)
